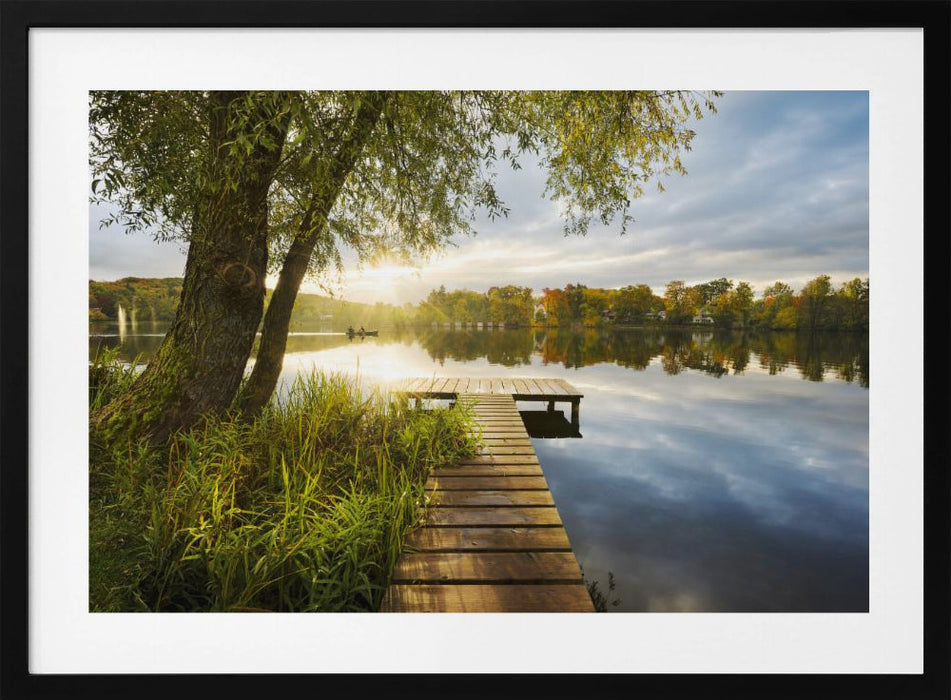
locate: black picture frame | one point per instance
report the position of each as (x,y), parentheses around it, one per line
(17,17)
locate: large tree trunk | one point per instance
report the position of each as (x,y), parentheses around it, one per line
(270,355)
(201,361)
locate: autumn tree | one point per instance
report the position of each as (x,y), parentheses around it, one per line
(286,182)
(680,301)
(775,309)
(815,301)
(631,302)
(741,303)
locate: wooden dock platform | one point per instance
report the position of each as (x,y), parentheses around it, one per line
(548,390)
(493,541)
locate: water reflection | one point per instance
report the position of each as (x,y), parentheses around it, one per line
(818,357)
(711,476)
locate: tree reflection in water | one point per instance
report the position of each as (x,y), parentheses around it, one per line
(816,356)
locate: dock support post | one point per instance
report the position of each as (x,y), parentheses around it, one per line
(575,410)
(551,406)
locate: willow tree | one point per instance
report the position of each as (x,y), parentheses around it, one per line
(287,182)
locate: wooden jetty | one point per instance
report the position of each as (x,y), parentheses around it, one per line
(493,540)
(550,391)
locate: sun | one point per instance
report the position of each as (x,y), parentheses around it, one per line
(380,281)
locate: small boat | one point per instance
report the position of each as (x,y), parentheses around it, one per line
(353,334)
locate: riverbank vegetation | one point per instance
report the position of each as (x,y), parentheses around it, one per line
(304,508)
(720,303)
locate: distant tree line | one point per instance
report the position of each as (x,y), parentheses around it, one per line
(151,299)
(509,305)
(720,302)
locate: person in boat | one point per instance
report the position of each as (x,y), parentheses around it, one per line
(362,332)
(350,330)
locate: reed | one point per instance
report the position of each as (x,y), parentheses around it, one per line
(305,508)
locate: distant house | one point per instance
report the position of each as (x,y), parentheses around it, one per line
(702,317)
(608,314)
(660,315)
(540,309)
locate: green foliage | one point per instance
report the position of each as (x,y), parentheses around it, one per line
(144,299)
(428,166)
(509,305)
(680,302)
(304,509)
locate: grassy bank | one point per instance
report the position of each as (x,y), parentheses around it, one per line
(304,509)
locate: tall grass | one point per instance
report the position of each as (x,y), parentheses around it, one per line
(303,509)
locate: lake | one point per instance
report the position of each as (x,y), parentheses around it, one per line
(715,471)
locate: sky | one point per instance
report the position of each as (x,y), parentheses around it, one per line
(776,190)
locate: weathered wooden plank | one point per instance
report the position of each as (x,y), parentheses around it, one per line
(553,388)
(497,459)
(507,450)
(488,598)
(481,499)
(492,517)
(533,388)
(520,439)
(496,431)
(502,470)
(487,539)
(490,483)
(569,389)
(484,567)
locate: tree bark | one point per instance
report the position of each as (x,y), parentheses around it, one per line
(200,363)
(269,359)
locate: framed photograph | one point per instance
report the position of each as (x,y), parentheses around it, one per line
(414,327)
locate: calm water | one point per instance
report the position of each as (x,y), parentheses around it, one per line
(714,472)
